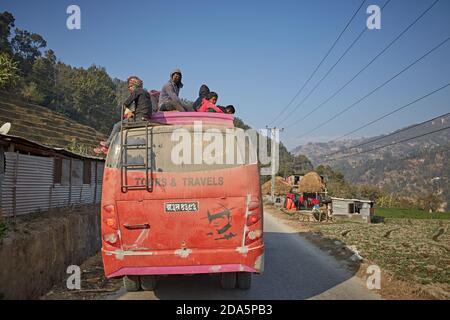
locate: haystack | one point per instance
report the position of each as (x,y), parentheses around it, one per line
(311,183)
(281,186)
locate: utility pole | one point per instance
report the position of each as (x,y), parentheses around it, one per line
(273,161)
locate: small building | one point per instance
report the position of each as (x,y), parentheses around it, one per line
(352,208)
(34,177)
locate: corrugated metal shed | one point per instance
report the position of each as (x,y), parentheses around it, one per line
(352,207)
(27,182)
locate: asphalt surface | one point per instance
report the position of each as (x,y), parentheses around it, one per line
(294,269)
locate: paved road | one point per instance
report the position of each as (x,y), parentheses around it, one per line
(294,269)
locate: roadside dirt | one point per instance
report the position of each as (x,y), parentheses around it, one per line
(94,285)
(391,288)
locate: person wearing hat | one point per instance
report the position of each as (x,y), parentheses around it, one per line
(138,107)
(169,97)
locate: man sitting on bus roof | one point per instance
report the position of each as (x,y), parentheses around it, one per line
(138,107)
(169,97)
(138,103)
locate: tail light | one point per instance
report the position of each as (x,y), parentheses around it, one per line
(111,222)
(109,208)
(253,218)
(254,213)
(109,225)
(109,216)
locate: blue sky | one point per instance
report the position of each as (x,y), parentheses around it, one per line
(257,54)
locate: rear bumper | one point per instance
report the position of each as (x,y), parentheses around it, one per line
(196,261)
(139,271)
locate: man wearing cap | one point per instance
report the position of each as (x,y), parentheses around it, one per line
(169,97)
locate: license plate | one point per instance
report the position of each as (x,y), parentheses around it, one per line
(181,207)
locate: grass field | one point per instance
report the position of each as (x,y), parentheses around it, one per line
(410,214)
(44,126)
(414,249)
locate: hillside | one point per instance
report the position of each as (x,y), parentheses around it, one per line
(316,151)
(405,168)
(44,126)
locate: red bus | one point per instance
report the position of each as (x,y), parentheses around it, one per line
(162,218)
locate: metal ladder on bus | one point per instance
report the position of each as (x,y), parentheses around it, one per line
(125,166)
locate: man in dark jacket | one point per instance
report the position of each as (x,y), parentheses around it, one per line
(138,107)
(138,104)
(169,97)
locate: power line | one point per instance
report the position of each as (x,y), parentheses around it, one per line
(319,65)
(330,70)
(393,143)
(367,65)
(376,89)
(389,135)
(392,112)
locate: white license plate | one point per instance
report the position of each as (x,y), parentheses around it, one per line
(171,207)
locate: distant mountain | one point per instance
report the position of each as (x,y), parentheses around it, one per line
(414,166)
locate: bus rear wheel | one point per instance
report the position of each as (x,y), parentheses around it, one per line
(244,280)
(149,283)
(228,280)
(131,283)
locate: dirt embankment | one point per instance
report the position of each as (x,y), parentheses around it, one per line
(37,249)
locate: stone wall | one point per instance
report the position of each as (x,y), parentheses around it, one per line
(37,249)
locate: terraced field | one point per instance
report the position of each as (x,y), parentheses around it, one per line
(416,250)
(44,126)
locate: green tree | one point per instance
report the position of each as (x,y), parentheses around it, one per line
(30,92)
(27,47)
(6,23)
(370,192)
(94,98)
(64,90)
(429,201)
(122,93)
(43,75)
(9,71)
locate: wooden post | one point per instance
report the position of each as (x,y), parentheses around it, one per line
(95,182)
(70,181)
(50,194)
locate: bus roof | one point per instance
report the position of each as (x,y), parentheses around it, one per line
(188,118)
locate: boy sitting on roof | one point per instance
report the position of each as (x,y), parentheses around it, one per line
(209,105)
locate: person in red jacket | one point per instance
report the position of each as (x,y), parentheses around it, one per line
(209,103)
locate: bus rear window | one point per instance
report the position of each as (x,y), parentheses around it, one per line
(182,149)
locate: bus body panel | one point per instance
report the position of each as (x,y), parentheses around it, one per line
(191,222)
